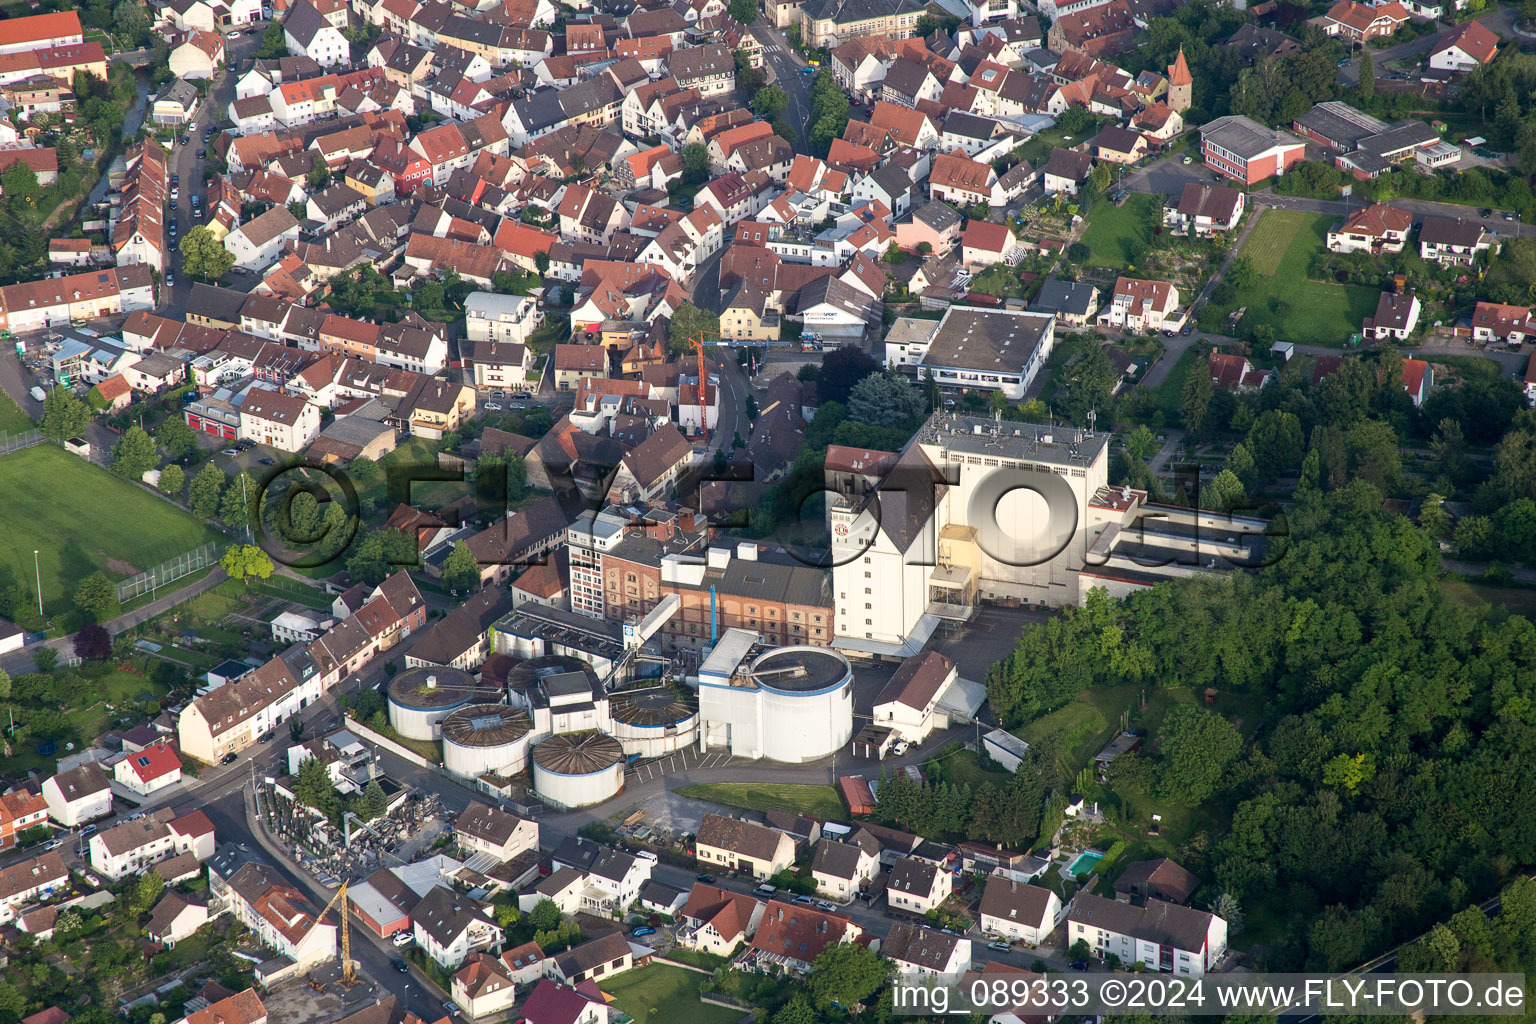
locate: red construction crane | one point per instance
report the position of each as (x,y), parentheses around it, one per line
(697,344)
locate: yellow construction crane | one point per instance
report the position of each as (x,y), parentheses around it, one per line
(347,977)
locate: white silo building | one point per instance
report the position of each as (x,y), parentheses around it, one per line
(486,739)
(790,704)
(578,769)
(420,698)
(654,721)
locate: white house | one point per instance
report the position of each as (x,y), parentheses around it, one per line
(1141,305)
(1163,936)
(921,953)
(174,919)
(842,869)
(744,846)
(448,926)
(486,829)
(307,33)
(148,770)
(286,422)
(717,920)
(79,795)
(507,319)
(917,886)
(1019,912)
(1470,46)
(129,848)
(908,705)
(258,243)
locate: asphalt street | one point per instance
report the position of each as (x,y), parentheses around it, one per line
(786,69)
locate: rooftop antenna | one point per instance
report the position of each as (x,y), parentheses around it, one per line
(1093,416)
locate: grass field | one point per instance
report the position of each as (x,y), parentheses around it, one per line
(1113,230)
(1520,600)
(81,518)
(1170,393)
(12,419)
(1085,725)
(663,993)
(817,801)
(1315,312)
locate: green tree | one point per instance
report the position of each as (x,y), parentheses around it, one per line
(207,486)
(372,802)
(64,415)
(176,437)
(461,572)
(1197,394)
(1141,443)
(147,891)
(1226,907)
(131,23)
(239,496)
(507,915)
(172,479)
(797,1011)
(1475,537)
(1367,73)
(886,399)
(273,45)
(318,174)
(744,11)
(315,788)
(1433,518)
(96,597)
(691,322)
(1090,381)
(1349,773)
(1277,442)
(695,158)
(847,974)
(5,685)
(770,101)
(1196,746)
(381,553)
(22,192)
(134,454)
(203,257)
(545,916)
(246,562)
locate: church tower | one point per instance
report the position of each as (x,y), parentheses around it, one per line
(1180,84)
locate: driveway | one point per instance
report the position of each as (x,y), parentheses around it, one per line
(1167,176)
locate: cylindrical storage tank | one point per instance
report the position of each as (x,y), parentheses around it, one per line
(523,676)
(577,769)
(486,738)
(655,721)
(420,698)
(807,703)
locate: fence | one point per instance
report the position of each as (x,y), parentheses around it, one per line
(16,442)
(168,571)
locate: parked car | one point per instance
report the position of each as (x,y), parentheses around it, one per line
(403,938)
(498,393)
(639,932)
(522,394)
(1509,216)
(231,452)
(901,748)
(647,855)
(170,279)
(53,844)
(999,947)
(1078,965)
(1186,329)
(87,830)
(229,758)
(707,879)
(493,406)
(516,405)
(825,905)
(1188,160)
(399,964)
(805,901)
(265,737)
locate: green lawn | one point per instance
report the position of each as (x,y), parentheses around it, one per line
(961,767)
(80,518)
(1298,309)
(1085,725)
(816,801)
(1113,231)
(1520,600)
(1170,393)
(658,992)
(12,419)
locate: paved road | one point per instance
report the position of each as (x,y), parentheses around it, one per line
(189,166)
(16,383)
(786,70)
(1499,20)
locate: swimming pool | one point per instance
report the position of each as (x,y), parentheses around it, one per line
(1084,862)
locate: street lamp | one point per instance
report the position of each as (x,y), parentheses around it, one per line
(36,565)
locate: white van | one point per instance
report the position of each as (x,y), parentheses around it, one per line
(39,394)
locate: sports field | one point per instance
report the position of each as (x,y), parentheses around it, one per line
(1298,308)
(81,518)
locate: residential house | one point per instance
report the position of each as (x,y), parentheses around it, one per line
(1120,145)
(908,704)
(740,845)
(1160,879)
(1376,229)
(149,770)
(1418,379)
(1138,305)
(490,830)
(1470,46)
(131,847)
(554,1003)
(717,920)
(917,886)
(1451,242)
(448,926)
(1359,23)
(935,224)
(1496,321)
(1018,912)
(1206,209)
(1165,937)
(82,794)
(258,243)
(985,244)
(175,918)
(602,957)
(925,953)
(963,182)
(1397,314)
(307,32)
(279,916)
(791,936)
(1066,171)
(1074,303)
(843,868)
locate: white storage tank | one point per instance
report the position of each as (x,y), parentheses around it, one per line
(420,698)
(481,739)
(792,704)
(578,769)
(654,721)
